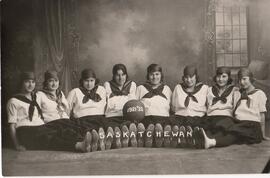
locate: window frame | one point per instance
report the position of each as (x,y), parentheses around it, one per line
(232,40)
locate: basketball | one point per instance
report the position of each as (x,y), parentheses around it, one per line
(134,111)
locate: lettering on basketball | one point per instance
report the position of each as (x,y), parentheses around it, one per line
(135,109)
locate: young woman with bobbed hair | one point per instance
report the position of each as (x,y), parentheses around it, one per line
(27,127)
(87,104)
(220,103)
(189,106)
(119,91)
(156,97)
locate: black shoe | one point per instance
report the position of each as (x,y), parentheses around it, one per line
(182,137)
(167,136)
(140,135)
(197,137)
(125,136)
(101,140)
(175,134)
(133,135)
(109,138)
(159,135)
(95,139)
(149,136)
(189,137)
(117,140)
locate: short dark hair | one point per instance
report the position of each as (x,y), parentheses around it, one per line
(87,73)
(190,69)
(26,75)
(117,67)
(48,75)
(154,68)
(220,71)
(245,72)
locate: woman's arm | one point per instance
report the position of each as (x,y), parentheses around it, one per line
(14,138)
(67,108)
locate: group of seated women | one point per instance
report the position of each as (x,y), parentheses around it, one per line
(193,115)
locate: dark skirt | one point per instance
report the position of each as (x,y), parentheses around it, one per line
(46,138)
(241,132)
(187,121)
(217,125)
(117,121)
(163,120)
(88,123)
(64,124)
(247,132)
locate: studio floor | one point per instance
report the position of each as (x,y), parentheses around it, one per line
(235,159)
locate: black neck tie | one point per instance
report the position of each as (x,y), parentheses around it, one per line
(224,95)
(117,92)
(244,96)
(33,103)
(92,94)
(154,92)
(190,95)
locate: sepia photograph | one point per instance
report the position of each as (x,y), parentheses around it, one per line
(135,87)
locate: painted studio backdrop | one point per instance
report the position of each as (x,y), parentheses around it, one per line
(69,35)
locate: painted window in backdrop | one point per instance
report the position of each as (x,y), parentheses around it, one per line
(231,36)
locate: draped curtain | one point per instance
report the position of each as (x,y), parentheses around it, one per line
(55,21)
(60,41)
